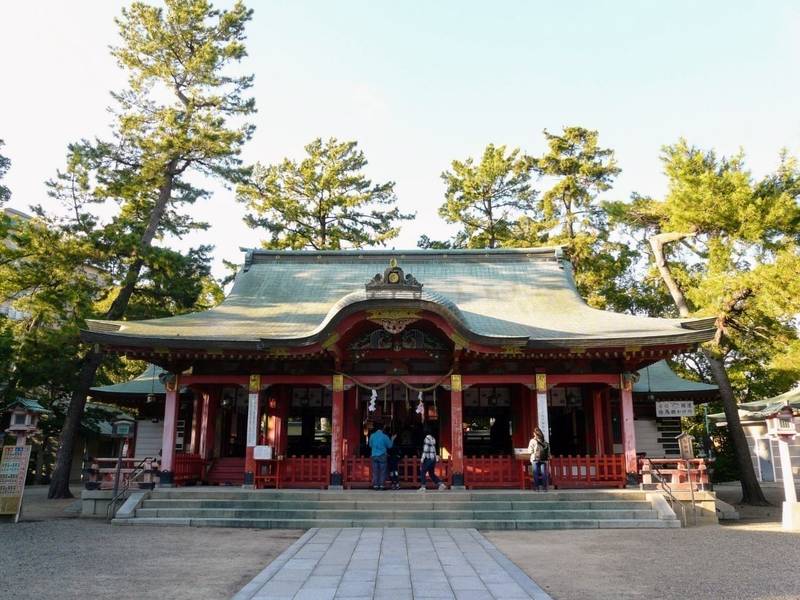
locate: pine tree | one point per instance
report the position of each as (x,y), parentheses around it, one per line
(570,214)
(486,198)
(324,202)
(726,244)
(180,114)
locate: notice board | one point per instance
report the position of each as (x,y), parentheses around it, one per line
(13,469)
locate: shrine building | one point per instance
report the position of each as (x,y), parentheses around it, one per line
(280,384)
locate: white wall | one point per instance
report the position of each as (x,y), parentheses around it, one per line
(770,452)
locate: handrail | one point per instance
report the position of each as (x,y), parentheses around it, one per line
(144,465)
(667,489)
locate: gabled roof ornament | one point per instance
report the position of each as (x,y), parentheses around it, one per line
(393,282)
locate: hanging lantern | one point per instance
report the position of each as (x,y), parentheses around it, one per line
(372,399)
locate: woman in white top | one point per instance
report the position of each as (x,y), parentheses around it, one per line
(540,453)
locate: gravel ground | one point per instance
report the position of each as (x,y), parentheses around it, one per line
(82,558)
(743,561)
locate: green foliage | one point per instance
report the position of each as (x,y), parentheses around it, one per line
(180,116)
(582,170)
(737,258)
(45,276)
(427,243)
(5,164)
(324,202)
(486,198)
(569,214)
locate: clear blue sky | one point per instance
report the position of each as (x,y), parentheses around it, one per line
(419,84)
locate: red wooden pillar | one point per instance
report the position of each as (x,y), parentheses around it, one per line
(352,423)
(337,432)
(609,427)
(628,434)
(445,428)
(208,422)
(252,430)
(283,410)
(168,436)
(519,416)
(599,422)
(457,431)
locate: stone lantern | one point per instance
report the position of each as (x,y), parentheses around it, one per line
(24,419)
(781,426)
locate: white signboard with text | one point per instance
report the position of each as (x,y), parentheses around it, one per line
(675,408)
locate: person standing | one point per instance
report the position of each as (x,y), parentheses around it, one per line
(540,454)
(379,443)
(393,463)
(429,459)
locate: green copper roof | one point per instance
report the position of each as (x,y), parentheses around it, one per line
(660,379)
(518,296)
(760,409)
(27,404)
(146,382)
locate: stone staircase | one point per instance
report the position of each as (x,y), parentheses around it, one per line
(487,510)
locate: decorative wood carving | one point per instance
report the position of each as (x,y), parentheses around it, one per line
(392,281)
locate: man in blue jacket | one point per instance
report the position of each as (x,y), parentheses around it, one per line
(379,443)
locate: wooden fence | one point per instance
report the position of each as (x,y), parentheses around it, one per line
(358,471)
(681,474)
(305,472)
(189,468)
(493,472)
(587,471)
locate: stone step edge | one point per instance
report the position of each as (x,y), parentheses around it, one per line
(300,513)
(477,524)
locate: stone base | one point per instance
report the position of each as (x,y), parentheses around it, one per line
(94,503)
(791,516)
(336,488)
(705,507)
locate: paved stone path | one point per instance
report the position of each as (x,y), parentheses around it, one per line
(391,564)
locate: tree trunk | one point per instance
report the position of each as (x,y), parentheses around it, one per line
(37,480)
(751,490)
(59,484)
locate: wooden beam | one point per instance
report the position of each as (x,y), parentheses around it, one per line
(221,379)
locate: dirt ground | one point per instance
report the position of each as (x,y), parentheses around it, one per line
(67,557)
(747,559)
(71,558)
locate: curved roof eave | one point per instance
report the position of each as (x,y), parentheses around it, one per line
(519,297)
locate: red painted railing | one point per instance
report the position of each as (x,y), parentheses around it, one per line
(492,472)
(305,471)
(358,471)
(188,467)
(683,474)
(101,472)
(587,471)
